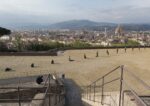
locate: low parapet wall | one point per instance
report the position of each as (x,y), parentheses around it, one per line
(38,102)
(38,95)
(54,100)
(25,94)
(28,53)
(46,53)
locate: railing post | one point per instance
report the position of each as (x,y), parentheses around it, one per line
(83,94)
(49,89)
(102,97)
(123,93)
(19,97)
(121,85)
(94,92)
(90,92)
(55,99)
(87,93)
(59,93)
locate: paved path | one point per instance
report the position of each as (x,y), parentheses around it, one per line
(73,94)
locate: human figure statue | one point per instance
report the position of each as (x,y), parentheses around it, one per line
(117,50)
(63,76)
(85,56)
(144,46)
(69,58)
(52,62)
(139,48)
(132,48)
(39,79)
(97,54)
(8,69)
(125,49)
(107,52)
(32,65)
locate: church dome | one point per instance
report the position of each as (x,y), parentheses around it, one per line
(119,30)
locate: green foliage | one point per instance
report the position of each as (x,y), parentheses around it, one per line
(18,43)
(129,43)
(3,47)
(79,44)
(133,43)
(36,46)
(44,46)
(4,31)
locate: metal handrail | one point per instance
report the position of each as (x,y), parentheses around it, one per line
(48,77)
(105,83)
(93,85)
(121,91)
(19,88)
(116,79)
(111,71)
(113,100)
(135,94)
(106,75)
(29,99)
(22,87)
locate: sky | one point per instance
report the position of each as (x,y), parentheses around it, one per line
(13,12)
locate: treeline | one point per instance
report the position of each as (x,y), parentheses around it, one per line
(45,46)
(20,46)
(127,44)
(4,31)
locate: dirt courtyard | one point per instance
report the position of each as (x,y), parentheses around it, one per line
(82,71)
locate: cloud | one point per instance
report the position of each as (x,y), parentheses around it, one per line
(50,11)
(123,15)
(141,3)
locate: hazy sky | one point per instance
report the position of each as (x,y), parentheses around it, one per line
(51,11)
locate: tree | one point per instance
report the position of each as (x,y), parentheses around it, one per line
(80,44)
(4,31)
(18,43)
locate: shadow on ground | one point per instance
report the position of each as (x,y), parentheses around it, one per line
(73,93)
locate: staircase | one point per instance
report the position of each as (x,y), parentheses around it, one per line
(49,93)
(119,87)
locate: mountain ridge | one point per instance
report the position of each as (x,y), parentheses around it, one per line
(86,24)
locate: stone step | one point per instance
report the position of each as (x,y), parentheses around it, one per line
(146,100)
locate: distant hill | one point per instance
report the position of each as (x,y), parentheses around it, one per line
(4,31)
(91,25)
(72,24)
(136,27)
(79,24)
(85,24)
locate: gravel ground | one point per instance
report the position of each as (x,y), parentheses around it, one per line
(82,71)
